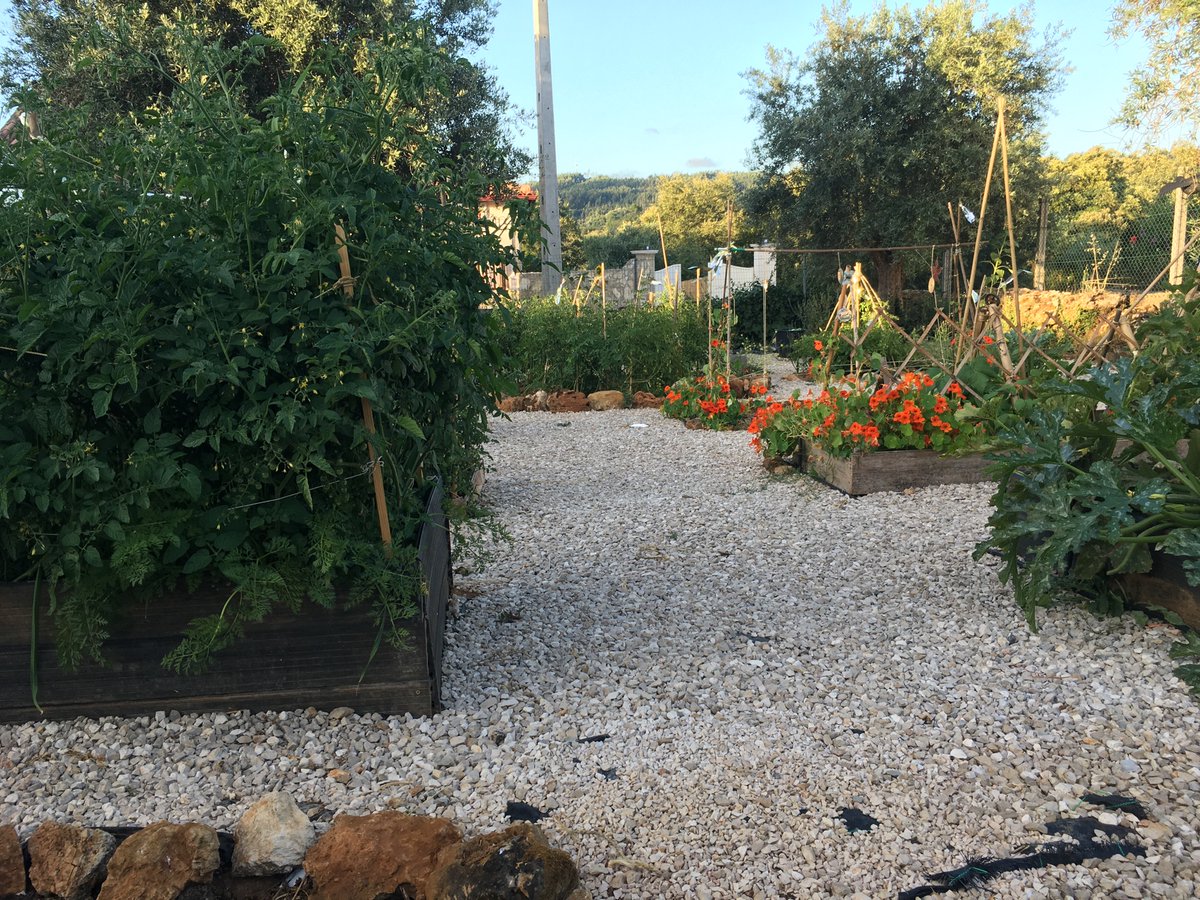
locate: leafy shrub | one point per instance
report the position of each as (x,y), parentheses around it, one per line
(1092,479)
(183,375)
(882,342)
(637,348)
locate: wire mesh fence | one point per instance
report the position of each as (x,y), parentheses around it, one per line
(1090,249)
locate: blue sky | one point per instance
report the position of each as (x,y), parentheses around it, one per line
(655,86)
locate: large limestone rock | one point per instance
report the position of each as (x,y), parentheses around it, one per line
(516,863)
(365,857)
(272,837)
(12,862)
(159,861)
(567,402)
(68,861)
(601,401)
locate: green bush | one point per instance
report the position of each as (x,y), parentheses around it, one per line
(1091,480)
(881,341)
(183,374)
(637,348)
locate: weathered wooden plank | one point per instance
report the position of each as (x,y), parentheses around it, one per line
(385,699)
(319,657)
(296,659)
(893,470)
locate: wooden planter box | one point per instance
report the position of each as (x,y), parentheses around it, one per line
(316,658)
(1165,585)
(892,470)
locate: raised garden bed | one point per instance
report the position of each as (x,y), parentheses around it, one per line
(1166,586)
(317,658)
(892,470)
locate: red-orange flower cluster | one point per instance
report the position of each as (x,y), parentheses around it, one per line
(907,413)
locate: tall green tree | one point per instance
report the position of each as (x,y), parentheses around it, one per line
(864,140)
(1166,90)
(58,43)
(692,212)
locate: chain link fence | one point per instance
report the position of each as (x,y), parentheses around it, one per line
(1090,250)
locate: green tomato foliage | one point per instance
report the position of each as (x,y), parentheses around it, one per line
(183,375)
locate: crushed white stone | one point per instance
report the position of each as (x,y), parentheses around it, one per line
(761,651)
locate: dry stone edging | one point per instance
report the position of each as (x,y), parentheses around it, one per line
(577,401)
(519,857)
(68,861)
(272,837)
(603,401)
(12,862)
(160,861)
(359,857)
(362,857)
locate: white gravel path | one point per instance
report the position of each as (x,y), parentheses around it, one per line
(761,652)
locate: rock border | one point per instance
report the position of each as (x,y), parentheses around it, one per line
(274,851)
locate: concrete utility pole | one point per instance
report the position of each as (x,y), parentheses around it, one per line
(547,163)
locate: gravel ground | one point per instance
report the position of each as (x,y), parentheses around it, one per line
(761,652)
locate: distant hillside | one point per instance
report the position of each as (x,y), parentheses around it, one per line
(593,200)
(600,203)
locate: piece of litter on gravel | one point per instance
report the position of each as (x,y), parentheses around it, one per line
(856,820)
(523,812)
(638,425)
(593,739)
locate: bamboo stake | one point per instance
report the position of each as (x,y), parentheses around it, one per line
(921,340)
(1008,213)
(666,285)
(961,277)
(575,294)
(764,287)
(603,304)
(987,189)
(937,363)
(587,297)
(728,289)
(710,333)
(347,282)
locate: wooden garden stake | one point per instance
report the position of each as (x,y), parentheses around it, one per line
(662,237)
(1008,215)
(987,189)
(347,282)
(603,305)
(764,331)
(961,275)
(575,294)
(729,290)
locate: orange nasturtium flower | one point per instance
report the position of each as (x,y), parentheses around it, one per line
(818,346)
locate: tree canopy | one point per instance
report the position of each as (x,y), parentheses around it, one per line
(57,43)
(889,116)
(1167,89)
